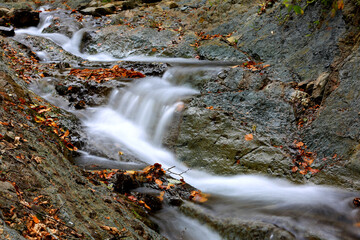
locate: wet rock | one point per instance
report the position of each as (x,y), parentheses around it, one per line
(336,129)
(49,50)
(90,11)
(236,228)
(230,153)
(128,5)
(24,18)
(125,183)
(99,11)
(119,41)
(354,163)
(7,31)
(110,8)
(64,23)
(218,50)
(172,5)
(234,103)
(94,3)
(319,86)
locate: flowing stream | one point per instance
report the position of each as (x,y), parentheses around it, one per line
(136,119)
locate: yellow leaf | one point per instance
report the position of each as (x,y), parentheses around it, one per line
(39,119)
(44,110)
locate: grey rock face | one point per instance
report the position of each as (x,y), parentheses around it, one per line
(336,129)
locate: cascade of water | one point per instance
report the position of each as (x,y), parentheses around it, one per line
(71,45)
(137,118)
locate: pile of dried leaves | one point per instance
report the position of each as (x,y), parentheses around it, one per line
(37,219)
(105,74)
(303,159)
(152,177)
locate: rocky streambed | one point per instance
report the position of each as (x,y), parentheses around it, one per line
(272,94)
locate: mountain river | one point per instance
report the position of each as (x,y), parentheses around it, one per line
(136,118)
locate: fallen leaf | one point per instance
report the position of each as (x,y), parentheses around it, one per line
(161,197)
(249,137)
(299,144)
(198,196)
(158,182)
(36,220)
(313,171)
(340,4)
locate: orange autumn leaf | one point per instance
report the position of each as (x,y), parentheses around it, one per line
(198,196)
(36,220)
(105,74)
(313,171)
(249,137)
(299,144)
(340,4)
(170,186)
(158,182)
(109,176)
(161,197)
(144,204)
(65,134)
(132,198)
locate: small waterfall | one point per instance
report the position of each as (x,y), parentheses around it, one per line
(150,104)
(138,117)
(71,45)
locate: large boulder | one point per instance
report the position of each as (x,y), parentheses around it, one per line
(7,31)
(24,18)
(99,11)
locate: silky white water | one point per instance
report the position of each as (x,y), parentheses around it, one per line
(136,119)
